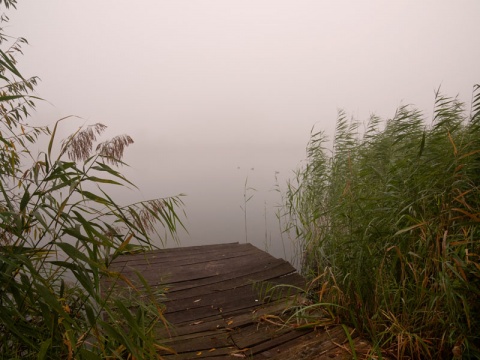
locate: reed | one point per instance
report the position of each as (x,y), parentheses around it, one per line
(389,223)
(59,229)
(247,196)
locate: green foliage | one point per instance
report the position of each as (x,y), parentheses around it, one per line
(59,230)
(390,227)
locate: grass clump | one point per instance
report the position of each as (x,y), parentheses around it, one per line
(59,230)
(389,221)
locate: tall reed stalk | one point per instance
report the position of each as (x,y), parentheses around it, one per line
(389,221)
(59,230)
(246,198)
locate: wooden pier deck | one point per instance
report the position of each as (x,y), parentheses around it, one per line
(217,313)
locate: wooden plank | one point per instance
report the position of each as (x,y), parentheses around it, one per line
(181,253)
(216,354)
(259,273)
(250,272)
(247,293)
(324,344)
(191,315)
(208,324)
(284,338)
(242,318)
(225,302)
(198,271)
(281,349)
(184,260)
(217,299)
(229,279)
(216,312)
(254,334)
(203,341)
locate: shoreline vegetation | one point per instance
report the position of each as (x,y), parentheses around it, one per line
(388,222)
(58,222)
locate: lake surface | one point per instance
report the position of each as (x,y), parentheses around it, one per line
(217,183)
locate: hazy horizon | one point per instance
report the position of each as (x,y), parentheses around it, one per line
(213,92)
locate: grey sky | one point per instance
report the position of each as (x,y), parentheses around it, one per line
(205,87)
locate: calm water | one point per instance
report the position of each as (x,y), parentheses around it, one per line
(214,183)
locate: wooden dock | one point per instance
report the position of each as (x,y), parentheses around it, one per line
(219,308)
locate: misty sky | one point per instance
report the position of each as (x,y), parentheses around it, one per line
(215,91)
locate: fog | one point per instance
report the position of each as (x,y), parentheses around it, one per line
(215,92)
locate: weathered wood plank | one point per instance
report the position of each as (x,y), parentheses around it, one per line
(207,270)
(185,255)
(284,338)
(328,341)
(280,350)
(201,341)
(249,273)
(208,324)
(230,281)
(215,310)
(216,353)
